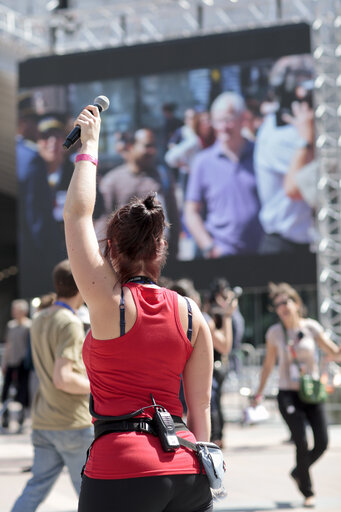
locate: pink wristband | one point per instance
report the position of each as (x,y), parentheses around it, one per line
(89,158)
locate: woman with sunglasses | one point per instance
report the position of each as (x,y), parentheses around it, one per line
(294,341)
(142,339)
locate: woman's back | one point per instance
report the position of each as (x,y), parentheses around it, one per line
(148,358)
(125,371)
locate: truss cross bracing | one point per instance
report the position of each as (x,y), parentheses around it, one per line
(88,25)
(326,39)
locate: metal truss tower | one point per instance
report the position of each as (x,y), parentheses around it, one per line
(326,42)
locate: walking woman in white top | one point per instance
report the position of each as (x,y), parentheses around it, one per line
(294,341)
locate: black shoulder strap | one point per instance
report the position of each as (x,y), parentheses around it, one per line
(190,315)
(122,315)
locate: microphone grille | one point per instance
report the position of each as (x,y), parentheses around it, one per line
(238,291)
(102,101)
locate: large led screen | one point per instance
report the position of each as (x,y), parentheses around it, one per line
(220,127)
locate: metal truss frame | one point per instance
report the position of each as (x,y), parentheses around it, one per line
(88,25)
(326,41)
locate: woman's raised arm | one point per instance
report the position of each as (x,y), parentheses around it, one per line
(94,276)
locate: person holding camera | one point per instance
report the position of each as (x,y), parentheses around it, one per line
(284,144)
(301,180)
(227,327)
(142,339)
(294,341)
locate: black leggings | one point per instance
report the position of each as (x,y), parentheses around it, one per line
(176,493)
(17,375)
(217,416)
(298,415)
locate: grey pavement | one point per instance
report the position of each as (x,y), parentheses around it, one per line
(258,464)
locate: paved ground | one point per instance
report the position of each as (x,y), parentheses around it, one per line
(257,479)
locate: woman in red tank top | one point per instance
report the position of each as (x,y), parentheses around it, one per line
(143,338)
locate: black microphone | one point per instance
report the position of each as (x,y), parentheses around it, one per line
(102,103)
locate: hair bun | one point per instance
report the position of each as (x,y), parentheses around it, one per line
(149,201)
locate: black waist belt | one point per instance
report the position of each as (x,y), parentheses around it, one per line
(132,422)
(144,425)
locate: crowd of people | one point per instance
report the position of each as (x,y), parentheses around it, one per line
(151,345)
(237,178)
(52,343)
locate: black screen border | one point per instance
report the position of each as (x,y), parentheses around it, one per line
(172,55)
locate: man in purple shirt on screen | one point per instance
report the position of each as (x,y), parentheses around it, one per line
(222,205)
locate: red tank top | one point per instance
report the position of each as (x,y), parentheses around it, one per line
(124,371)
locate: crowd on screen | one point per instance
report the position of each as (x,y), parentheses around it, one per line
(239,178)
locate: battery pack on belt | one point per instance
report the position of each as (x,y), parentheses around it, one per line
(165,428)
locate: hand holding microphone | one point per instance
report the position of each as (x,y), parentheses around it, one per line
(88,122)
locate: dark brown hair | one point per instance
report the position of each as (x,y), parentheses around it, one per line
(134,235)
(285,289)
(63,280)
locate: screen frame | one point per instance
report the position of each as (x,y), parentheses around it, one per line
(171,55)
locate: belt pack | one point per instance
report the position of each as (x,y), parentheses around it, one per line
(162,424)
(165,427)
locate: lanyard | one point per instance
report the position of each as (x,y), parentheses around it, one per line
(64,305)
(140,279)
(291,344)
